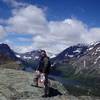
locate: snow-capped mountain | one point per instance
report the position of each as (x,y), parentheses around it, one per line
(71,52)
(87,66)
(82,57)
(31,59)
(90,62)
(33,55)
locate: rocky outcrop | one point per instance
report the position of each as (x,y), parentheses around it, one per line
(16,85)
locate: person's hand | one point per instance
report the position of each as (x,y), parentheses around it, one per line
(37,72)
(42,77)
(42,74)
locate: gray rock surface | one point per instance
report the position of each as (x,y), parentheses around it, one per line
(16,85)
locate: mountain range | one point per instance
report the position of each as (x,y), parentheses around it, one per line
(79,63)
(79,59)
(80,56)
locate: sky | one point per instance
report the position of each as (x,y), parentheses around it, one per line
(52,25)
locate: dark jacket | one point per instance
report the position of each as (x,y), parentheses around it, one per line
(44,65)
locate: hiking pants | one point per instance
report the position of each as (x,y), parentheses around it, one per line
(46,85)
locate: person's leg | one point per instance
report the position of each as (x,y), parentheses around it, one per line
(46,88)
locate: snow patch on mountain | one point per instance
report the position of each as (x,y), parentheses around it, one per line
(25,57)
(90,48)
(96,59)
(18,56)
(77,50)
(36,57)
(66,55)
(94,53)
(98,49)
(94,43)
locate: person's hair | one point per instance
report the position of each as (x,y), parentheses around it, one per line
(44,52)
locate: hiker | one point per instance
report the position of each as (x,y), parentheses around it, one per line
(43,70)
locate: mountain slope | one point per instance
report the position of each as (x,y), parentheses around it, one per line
(89,64)
(86,67)
(7,52)
(8,58)
(71,52)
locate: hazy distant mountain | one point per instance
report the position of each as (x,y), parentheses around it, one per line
(33,55)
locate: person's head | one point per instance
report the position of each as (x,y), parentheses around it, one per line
(43,53)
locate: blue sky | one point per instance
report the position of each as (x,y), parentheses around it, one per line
(85,10)
(48,24)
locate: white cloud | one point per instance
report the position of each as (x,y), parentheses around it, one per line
(14,3)
(68,29)
(2,32)
(21,39)
(62,34)
(53,36)
(29,19)
(23,49)
(19,48)
(93,35)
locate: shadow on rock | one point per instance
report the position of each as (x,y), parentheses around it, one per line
(53,92)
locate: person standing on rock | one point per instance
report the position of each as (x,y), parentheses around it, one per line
(43,70)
